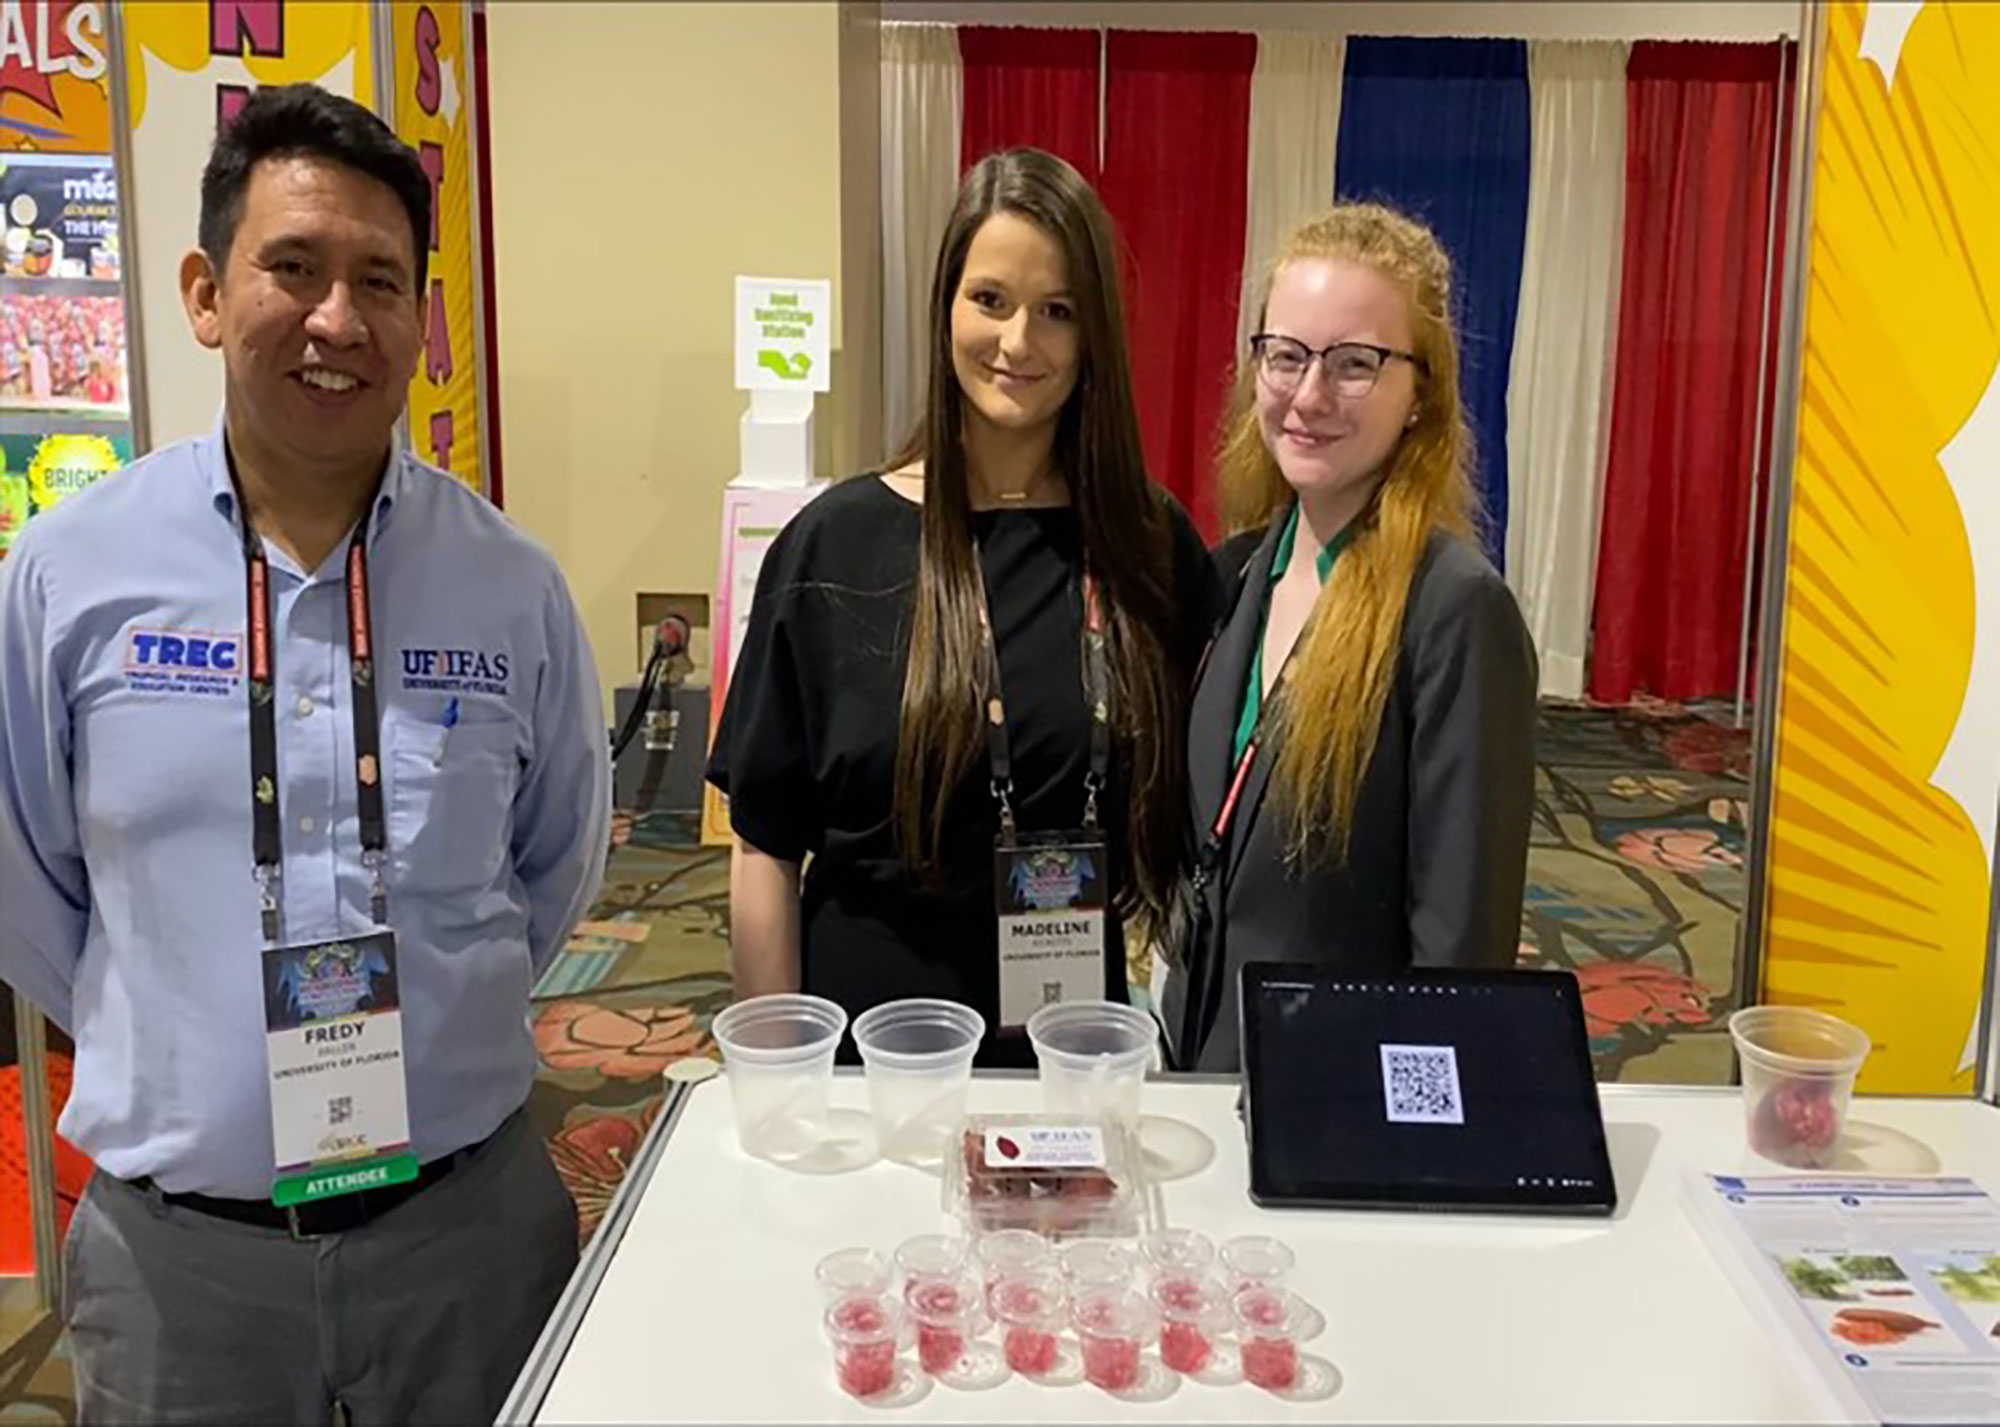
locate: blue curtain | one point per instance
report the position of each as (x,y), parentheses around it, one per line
(1439,129)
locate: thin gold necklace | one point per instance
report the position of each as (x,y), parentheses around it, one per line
(1041,483)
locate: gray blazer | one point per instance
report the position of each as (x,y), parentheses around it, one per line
(1438,856)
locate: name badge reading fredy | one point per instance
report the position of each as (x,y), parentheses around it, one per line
(340,1119)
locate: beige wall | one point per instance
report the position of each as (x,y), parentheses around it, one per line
(643,156)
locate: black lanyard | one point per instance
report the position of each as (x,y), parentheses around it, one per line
(1096,690)
(268,835)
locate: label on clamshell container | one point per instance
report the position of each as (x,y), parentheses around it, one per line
(1045,1147)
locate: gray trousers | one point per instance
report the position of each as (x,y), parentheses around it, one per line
(423,1315)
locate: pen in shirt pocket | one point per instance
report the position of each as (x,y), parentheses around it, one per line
(448,720)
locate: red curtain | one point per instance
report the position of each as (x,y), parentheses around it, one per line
(1699,187)
(1176,154)
(1029,87)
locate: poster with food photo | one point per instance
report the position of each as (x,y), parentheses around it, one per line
(61,351)
(61,217)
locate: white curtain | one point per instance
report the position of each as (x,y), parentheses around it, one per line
(1559,391)
(922,107)
(1294,132)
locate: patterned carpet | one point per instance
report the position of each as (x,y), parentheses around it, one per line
(1635,883)
(633,992)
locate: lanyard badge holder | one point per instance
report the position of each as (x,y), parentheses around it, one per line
(332,1013)
(1050,888)
(1194,927)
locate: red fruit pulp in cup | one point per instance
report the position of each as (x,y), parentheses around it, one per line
(1179,1295)
(1797,1123)
(939,1347)
(941,1310)
(859,1315)
(1031,1350)
(1183,1346)
(936,1299)
(1264,1309)
(867,1368)
(864,1369)
(1270,1362)
(1111,1362)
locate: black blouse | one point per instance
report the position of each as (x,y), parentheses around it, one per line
(806,748)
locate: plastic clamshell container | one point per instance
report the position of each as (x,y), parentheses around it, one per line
(1061,1176)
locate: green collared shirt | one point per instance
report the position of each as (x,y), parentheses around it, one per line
(1281,559)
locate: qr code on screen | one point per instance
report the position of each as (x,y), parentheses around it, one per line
(340,1109)
(1420,1084)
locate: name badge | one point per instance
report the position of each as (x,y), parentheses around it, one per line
(1051,909)
(340,1119)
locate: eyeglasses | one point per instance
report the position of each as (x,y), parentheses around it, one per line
(1352,367)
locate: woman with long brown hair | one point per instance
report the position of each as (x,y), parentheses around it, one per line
(1361,745)
(960,703)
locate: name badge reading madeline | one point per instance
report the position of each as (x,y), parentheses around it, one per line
(340,1117)
(1050,890)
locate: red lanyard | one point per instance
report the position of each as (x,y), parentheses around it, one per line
(1210,854)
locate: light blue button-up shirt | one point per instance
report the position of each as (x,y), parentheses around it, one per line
(128,909)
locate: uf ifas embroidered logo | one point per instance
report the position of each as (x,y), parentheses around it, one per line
(457,671)
(167,661)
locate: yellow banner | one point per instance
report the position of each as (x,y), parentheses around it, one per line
(55,65)
(187,64)
(235,45)
(1887,776)
(433,107)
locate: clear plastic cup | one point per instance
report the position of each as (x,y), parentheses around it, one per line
(1178,1253)
(947,1312)
(1256,1260)
(1798,1077)
(1112,1324)
(1031,1306)
(1194,1310)
(1267,1327)
(1097,1263)
(918,1060)
(779,1051)
(847,1273)
(1010,1251)
(931,1256)
(864,1328)
(1093,1057)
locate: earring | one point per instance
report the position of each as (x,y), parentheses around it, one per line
(1411,423)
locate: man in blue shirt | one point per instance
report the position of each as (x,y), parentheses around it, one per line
(285,691)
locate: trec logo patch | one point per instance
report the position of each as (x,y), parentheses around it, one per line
(168,661)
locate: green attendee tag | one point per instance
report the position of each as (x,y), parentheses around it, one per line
(349,1178)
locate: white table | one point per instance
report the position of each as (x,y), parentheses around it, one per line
(697,1302)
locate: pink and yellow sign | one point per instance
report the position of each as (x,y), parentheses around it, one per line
(222,49)
(1887,775)
(55,65)
(189,64)
(433,109)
